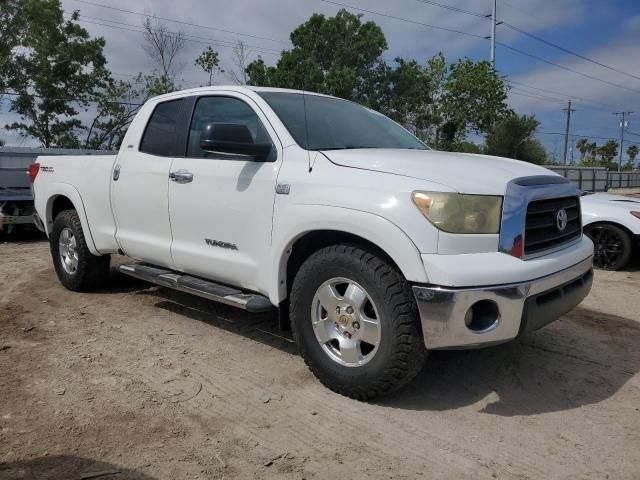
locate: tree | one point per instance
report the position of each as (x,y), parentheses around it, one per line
(475,97)
(12,28)
(117,104)
(240,58)
(209,62)
(608,151)
(512,137)
(592,148)
(1,142)
(333,55)
(582,145)
(163,46)
(58,69)
(632,152)
(409,95)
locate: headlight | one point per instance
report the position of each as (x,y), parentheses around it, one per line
(458,213)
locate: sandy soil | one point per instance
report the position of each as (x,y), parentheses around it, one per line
(136,382)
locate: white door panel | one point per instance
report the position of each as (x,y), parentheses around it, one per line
(221,221)
(221,217)
(139,196)
(140,206)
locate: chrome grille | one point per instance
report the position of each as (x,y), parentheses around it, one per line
(542,230)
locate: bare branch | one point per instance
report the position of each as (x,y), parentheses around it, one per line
(240,59)
(163,46)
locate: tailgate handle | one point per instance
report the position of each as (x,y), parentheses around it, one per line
(181,176)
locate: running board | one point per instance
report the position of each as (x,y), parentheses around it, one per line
(251,302)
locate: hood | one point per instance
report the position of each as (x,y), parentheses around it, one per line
(463,172)
(631,203)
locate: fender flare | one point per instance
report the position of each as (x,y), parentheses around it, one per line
(55,190)
(298,220)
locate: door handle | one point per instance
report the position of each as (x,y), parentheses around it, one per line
(116,173)
(181,176)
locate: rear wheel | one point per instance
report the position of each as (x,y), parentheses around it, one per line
(355,322)
(613,247)
(77,268)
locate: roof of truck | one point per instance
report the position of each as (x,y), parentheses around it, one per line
(235,88)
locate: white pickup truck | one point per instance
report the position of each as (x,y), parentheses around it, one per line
(373,246)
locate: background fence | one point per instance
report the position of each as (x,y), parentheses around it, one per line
(597,179)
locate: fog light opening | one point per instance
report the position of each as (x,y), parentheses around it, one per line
(482,316)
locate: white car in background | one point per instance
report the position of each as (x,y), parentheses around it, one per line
(613,224)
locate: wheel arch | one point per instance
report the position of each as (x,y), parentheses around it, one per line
(610,222)
(66,197)
(321,226)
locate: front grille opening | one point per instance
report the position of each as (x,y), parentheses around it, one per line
(572,286)
(548,297)
(542,227)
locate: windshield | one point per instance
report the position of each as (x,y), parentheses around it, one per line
(334,124)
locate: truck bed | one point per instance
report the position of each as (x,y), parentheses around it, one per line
(85,180)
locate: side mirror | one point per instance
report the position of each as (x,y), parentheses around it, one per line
(233,138)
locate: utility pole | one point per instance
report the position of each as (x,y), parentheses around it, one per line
(493,34)
(566,131)
(623,125)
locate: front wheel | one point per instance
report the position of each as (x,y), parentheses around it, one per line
(355,322)
(77,268)
(612,246)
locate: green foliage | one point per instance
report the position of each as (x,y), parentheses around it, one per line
(583,146)
(209,62)
(409,93)
(117,104)
(12,28)
(467,147)
(332,55)
(632,152)
(58,70)
(608,151)
(512,137)
(341,56)
(475,97)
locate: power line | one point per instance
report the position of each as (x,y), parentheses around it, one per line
(509,47)
(95,4)
(188,37)
(454,9)
(531,35)
(566,95)
(401,19)
(582,136)
(521,52)
(566,50)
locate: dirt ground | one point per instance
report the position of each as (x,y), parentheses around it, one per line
(136,382)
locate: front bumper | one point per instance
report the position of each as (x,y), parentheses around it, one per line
(498,313)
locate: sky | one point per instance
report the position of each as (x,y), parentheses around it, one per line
(604,32)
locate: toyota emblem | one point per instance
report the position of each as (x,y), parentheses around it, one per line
(561,219)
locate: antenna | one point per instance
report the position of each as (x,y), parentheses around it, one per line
(306,129)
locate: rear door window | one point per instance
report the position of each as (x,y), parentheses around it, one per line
(160,135)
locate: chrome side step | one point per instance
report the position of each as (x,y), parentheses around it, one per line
(251,302)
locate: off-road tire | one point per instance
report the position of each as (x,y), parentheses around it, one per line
(401,353)
(92,270)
